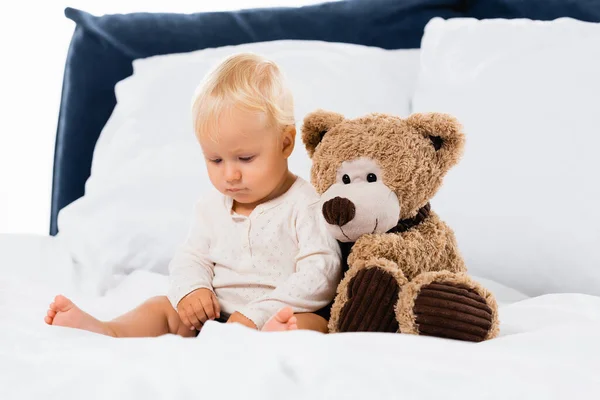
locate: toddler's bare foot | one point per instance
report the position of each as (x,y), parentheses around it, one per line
(284,320)
(62,312)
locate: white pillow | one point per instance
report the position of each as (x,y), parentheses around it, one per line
(524,200)
(147,169)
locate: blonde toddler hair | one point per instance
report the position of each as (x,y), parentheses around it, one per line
(246,82)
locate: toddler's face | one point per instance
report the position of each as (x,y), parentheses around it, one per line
(247,161)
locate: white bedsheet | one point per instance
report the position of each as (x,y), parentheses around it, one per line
(549,348)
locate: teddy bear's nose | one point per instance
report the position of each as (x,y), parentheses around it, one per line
(339,211)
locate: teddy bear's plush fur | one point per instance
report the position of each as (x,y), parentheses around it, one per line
(404,273)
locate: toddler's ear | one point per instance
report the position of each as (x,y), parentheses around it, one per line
(289,140)
(316,125)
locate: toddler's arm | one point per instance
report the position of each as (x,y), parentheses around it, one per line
(191,268)
(318,272)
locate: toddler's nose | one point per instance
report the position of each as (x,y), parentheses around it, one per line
(232,176)
(339,211)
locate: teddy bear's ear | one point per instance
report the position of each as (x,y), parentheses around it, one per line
(316,125)
(443,131)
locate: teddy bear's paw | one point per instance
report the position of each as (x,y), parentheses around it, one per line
(367,298)
(449,306)
(446,310)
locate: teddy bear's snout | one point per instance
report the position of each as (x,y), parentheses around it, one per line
(339,211)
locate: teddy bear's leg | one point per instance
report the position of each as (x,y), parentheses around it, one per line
(448,305)
(367,297)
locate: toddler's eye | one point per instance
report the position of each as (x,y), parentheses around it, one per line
(346,179)
(246,159)
(371,178)
(215,161)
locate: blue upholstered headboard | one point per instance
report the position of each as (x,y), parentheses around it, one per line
(102,50)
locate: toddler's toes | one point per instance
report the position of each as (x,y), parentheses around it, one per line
(292,323)
(50,314)
(284,314)
(281,321)
(62,303)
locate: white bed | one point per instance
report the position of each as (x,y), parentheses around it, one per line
(548,347)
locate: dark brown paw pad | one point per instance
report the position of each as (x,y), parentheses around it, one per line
(449,311)
(372,296)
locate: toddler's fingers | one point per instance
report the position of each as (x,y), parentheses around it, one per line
(208,307)
(216,306)
(194,318)
(199,311)
(184,319)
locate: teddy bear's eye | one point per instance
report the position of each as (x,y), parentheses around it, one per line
(371,178)
(346,179)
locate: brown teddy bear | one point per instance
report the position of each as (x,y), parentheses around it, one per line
(403,271)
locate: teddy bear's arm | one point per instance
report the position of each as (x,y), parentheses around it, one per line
(431,246)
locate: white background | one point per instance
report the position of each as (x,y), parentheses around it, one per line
(34,38)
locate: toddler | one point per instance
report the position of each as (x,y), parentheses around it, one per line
(257,252)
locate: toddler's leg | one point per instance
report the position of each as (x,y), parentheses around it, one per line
(154,317)
(312,322)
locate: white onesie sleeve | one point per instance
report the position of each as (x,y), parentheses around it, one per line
(190,268)
(318,271)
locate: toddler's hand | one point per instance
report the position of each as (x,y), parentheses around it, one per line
(197,307)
